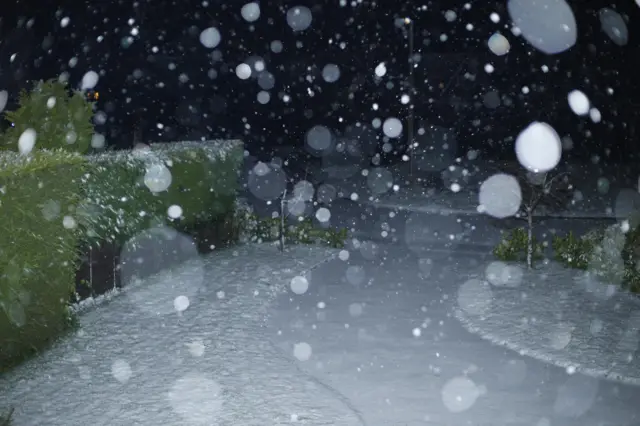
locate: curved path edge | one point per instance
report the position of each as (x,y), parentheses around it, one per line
(485,333)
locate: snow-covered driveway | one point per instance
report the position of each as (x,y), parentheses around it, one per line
(382,332)
(372,339)
(137,361)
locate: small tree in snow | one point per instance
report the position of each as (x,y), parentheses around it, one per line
(545,193)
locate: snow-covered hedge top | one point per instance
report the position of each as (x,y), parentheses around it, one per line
(215,150)
(15,160)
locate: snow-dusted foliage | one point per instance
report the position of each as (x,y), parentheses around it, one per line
(49,116)
(10,160)
(125,190)
(606,261)
(215,150)
(383,118)
(245,220)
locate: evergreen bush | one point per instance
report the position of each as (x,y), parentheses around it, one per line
(610,254)
(606,262)
(267,230)
(38,249)
(61,119)
(514,246)
(573,252)
(631,260)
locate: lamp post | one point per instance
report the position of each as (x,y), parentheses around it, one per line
(411,119)
(406,25)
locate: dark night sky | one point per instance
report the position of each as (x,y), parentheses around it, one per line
(191,104)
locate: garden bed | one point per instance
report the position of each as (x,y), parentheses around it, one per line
(568,318)
(608,254)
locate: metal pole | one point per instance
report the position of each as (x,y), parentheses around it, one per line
(411,120)
(92,291)
(283,202)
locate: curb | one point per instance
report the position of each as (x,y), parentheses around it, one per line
(446,211)
(278,289)
(466,248)
(536,354)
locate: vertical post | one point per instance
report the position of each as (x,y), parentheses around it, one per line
(282,224)
(115,268)
(411,119)
(92,292)
(529,238)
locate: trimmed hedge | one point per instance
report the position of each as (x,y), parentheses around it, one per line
(118,204)
(55,205)
(631,260)
(38,249)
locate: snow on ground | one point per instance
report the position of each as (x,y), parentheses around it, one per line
(151,356)
(557,316)
(473,233)
(379,328)
(466,203)
(367,338)
(601,192)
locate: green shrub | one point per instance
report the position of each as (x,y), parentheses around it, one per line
(6,420)
(335,238)
(513,248)
(61,119)
(631,259)
(305,233)
(631,280)
(103,198)
(606,260)
(595,235)
(245,221)
(38,250)
(255,229)
(201,186)
(118,205)
(610,254)
(573,252)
